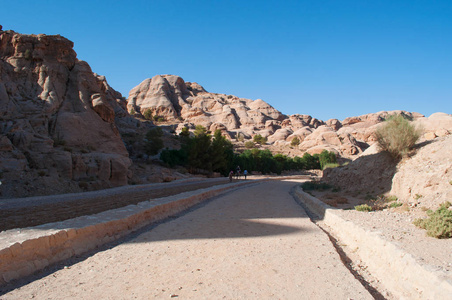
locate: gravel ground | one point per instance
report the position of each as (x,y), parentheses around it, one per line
(396,226)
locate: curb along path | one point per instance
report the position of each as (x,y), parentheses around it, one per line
(397,270)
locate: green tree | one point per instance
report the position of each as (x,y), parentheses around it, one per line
(174,157)
(220,153)
(327,157)
(199,152)
(153,141)
(311,162)
(200,130)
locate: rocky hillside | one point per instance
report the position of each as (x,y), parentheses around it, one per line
(421,180)
(64,129)
(50,102)
(188,104)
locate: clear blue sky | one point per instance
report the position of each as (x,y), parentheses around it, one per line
(328,59)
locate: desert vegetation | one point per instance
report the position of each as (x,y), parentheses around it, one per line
(206,153)
(439,222)
(397,136)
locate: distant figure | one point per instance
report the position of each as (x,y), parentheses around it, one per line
(230,176)
(237,172)
(245,173)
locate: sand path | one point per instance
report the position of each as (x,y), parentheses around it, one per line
(252,243)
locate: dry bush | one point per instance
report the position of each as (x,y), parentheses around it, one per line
(397,136)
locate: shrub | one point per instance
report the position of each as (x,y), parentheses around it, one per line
(259,139)
(439,222)
(330,165)
(28,54)
(363,207)
(249,144)
(148,114)
(158,118)
(395,204)
(397,136)
(295,142)
(391,198)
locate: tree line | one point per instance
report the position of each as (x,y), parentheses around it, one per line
(204,153)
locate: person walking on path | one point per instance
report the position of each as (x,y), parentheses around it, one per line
(230,176)
(237,172)
(245,173)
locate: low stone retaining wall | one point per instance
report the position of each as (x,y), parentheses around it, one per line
(25,251)
(397,270)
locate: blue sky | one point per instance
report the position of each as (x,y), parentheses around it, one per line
(328,59)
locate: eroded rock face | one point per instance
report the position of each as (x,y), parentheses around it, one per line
(425,179)
(188,104)
(50,104)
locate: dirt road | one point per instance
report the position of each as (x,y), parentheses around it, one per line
(252,243)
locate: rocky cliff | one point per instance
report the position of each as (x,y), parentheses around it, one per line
(50,102)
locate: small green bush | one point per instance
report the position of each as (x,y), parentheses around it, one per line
(249,144)
(397,136)
(439,222)
(148,114)
(330,166)
(363,207)
(259,139)
(395,204)
(295,142)
(158,118)
(391,198)
(28,54)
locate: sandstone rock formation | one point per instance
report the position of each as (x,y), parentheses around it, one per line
(187,104)
(64,129)
(50,102)
(426,178)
